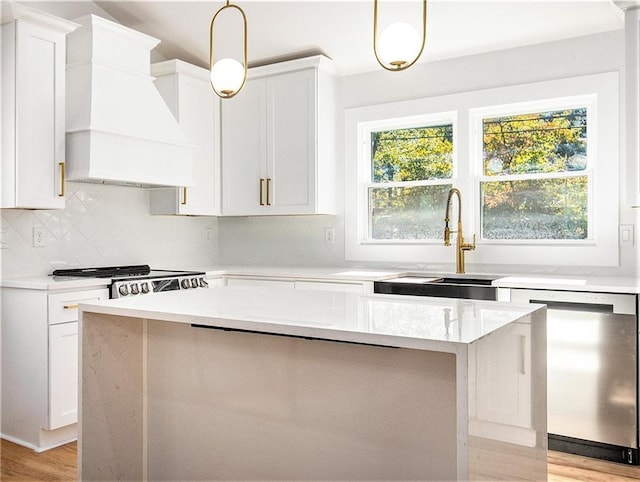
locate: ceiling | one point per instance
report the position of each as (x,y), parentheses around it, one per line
(343,29)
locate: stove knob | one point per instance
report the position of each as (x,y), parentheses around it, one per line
(134,289)
(203,283)
(123,290)
(185,284)
(194,283)
(144,287)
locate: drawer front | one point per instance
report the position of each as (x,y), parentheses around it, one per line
(283,283)
(63,307)
(329,286)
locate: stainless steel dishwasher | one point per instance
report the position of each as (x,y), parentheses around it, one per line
(592,372)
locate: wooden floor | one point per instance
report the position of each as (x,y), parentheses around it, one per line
(22,464)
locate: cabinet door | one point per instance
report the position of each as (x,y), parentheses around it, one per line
(39,130)
(291,142)
(503,391)
(63,374)
(197,110)
(244,150)
(199,119)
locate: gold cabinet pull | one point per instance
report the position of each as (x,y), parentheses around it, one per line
(70,307)
(268,198)
(184,195)
(261,184)
(61,164)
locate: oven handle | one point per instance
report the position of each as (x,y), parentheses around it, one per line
(619,304)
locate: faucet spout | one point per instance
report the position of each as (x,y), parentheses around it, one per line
(461,246)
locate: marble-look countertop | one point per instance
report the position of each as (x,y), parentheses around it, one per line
(600,284)
(54,282)
(389,320)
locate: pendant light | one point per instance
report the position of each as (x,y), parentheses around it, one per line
(398,47)
(227,75)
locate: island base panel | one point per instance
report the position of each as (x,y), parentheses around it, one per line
(227,405)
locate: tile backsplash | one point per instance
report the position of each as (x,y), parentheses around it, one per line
(103,225)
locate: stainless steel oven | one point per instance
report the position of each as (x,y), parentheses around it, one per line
(592,372)
(137,280)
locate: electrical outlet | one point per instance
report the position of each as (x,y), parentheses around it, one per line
(3,238)
(39,237)
(329,235)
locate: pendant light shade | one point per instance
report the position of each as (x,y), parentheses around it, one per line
(399,46)
(227,75)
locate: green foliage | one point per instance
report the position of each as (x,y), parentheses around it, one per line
(535,143)
(415,154)
(539,143)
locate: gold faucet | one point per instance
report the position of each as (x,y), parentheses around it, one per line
(461,246)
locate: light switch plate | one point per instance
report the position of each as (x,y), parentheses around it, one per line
(626,235)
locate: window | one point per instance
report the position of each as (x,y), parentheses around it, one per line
(537,165)
(411,171)
(535,176)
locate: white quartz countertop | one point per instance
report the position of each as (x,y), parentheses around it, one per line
(54,283)
(388,320)
(601,284)
(597,284)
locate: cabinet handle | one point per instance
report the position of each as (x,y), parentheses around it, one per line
(268,198)
(61,164)
(184,195)
(523,348)
(70,307)
(261,183)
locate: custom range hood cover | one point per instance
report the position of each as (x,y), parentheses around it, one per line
(119,129)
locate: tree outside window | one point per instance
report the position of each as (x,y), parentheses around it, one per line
(535,180)
(411,173)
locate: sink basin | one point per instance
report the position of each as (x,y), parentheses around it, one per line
(474,287)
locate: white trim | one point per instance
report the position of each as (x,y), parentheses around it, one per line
(602,250)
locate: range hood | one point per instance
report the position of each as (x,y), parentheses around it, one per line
(119,129)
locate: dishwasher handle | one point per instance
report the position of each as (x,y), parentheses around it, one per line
(616,303)
(571,306)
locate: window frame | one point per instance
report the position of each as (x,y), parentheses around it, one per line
(602,250)
(477,116)
(365,130)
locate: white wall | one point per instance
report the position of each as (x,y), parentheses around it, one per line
(104,226)
(299,240)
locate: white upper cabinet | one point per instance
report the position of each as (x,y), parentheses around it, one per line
(632,98)
(33,108)
(187,91)
(278,141)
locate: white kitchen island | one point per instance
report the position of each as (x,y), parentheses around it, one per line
(276,384)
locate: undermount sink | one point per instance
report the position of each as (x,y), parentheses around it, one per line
(475,287)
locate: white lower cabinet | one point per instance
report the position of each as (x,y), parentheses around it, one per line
(347,287)
(63,375)
(502,408)
(299,284)
(40,364)
(246,281)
